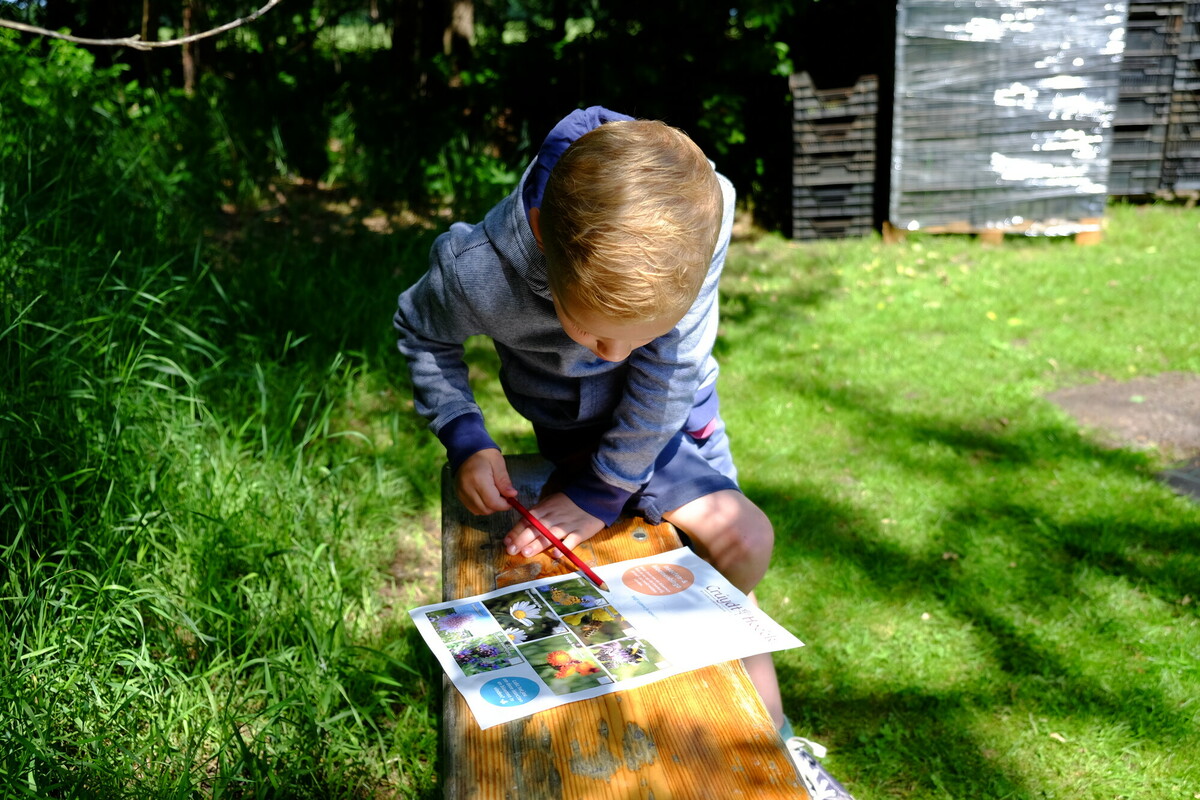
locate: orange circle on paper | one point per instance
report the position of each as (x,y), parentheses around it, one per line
(658,579)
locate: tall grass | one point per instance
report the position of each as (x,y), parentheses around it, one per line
(205,475)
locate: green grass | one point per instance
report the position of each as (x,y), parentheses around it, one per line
(217,497)
(995,604)
(216,501)
(199,512)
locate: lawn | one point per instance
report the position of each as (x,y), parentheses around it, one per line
(217,505)
(996,605)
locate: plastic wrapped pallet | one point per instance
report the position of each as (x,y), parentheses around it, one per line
(1003,114)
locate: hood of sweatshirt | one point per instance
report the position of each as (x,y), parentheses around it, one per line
(508,223)
(568,129)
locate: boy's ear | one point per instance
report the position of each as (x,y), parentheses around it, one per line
(535,225)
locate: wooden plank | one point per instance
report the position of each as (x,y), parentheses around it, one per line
(1084,231)
(701,735)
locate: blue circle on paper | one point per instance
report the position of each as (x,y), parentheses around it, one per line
(509,691)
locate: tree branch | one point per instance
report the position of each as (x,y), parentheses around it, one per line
(136,41)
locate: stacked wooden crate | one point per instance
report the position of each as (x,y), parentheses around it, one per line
(833,175)
(1146,78)
(1181,157)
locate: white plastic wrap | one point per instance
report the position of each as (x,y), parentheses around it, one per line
(1003,114)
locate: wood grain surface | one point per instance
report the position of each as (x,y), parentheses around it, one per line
(704,734)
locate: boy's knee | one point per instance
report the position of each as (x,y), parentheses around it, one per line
(756,527)
(728,521)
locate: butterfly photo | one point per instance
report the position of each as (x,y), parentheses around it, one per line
(571,595)
(597,624)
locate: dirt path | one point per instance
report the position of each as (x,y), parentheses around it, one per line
(1161,412)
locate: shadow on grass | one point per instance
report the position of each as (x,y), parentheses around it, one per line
(1035,622)
(1007,476)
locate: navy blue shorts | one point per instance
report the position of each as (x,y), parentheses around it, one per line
(686,469)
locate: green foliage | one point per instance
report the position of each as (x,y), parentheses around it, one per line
(467,180)
(73,127)
(366,95)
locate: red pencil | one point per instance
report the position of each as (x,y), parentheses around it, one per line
(554,540)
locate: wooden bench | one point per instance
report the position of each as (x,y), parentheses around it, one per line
(703,734)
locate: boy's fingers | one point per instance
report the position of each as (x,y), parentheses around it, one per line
(495,500)
(499,489)
(501,479)
(518,538)
(468,500)
(570,541)
(479,505)
(525,540)
(538,543)
(486,500)
(482,498)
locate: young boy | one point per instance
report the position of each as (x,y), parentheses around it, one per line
(597,281)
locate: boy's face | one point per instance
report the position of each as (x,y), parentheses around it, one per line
(610,340)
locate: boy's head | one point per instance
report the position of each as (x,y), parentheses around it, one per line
(629,221)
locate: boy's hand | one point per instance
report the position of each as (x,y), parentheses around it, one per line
(483,483)
(567,521)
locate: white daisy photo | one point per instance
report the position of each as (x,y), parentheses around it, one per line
(524,612)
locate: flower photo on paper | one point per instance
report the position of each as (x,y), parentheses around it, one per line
(564,666)
(524,617)
(462,622)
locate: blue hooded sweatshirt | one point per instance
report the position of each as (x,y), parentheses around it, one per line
(490,279)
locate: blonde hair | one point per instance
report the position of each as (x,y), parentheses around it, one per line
(629,221)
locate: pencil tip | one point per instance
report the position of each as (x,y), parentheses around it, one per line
(603,586)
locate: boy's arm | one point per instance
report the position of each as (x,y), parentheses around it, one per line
(432,320)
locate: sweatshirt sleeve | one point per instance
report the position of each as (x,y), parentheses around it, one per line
(665,379)
(433,318)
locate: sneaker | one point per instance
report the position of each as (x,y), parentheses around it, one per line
(819,783)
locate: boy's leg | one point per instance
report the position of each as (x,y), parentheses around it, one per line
(735,536)
(761,669)
(729,532)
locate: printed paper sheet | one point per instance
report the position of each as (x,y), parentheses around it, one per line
(532,646)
